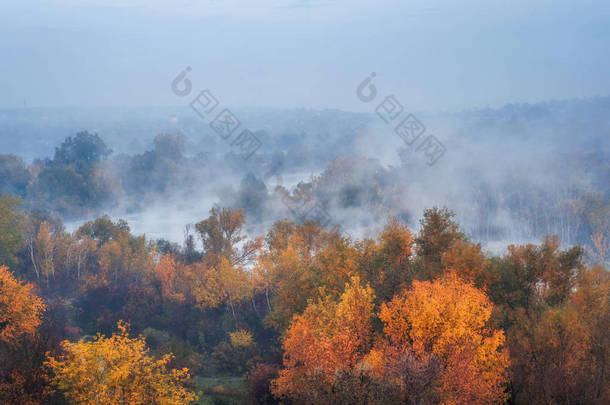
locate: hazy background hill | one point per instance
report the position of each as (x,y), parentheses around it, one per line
(516,173)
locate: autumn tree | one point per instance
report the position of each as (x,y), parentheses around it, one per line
(117,370)
(467,261)
(20,309)
(592,302)
(220,277)
(449,319)
(333,266)
(163,297)
(386,262)
(409,374)
(559,269)
(223,283)
(296,261)
(238,353)
(531,275)
(559,354)
(170,275)
(547,351)
(121,260)
(438,232)
(221,234)
(22,379)
(258,380)
(287,253)
(330,337)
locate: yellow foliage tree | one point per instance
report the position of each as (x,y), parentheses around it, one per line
(223,283)
(121,260)
(20,309)
(296,262)
(117,370)
(241,338)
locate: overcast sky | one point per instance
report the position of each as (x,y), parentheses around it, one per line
(432,55)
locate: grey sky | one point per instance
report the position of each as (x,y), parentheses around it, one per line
(432,55)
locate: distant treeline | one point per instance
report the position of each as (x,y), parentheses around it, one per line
(567,195)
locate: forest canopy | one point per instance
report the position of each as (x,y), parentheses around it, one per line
(302,315)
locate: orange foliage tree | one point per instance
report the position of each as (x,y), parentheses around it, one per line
(117,370)
(20,309)
(467,261)
(172,278)
(449,319)
(21,379)
(328,338)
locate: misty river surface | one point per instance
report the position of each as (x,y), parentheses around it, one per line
(167,219)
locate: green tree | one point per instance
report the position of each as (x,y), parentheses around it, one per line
(14,176)
(11,220)
(83,151)
(438,232)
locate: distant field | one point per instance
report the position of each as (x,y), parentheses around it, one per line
(221,390)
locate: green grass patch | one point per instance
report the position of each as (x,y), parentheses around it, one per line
(220,390)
